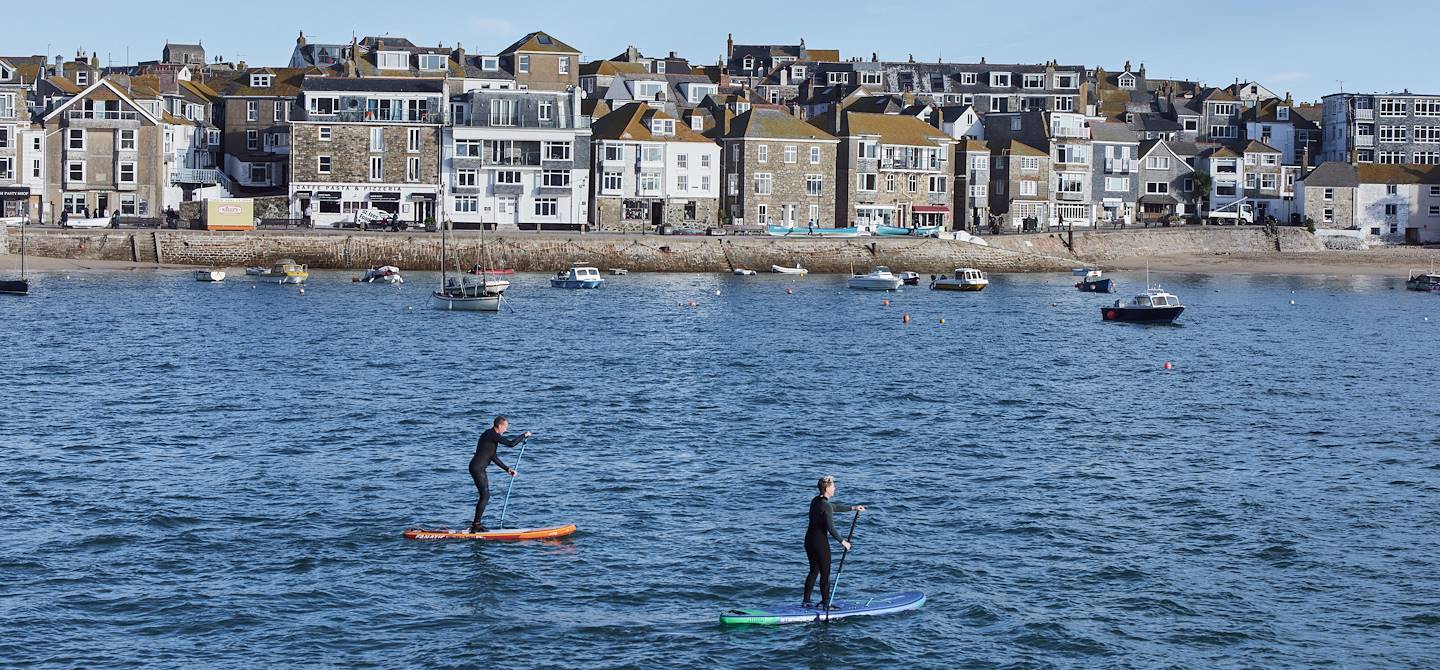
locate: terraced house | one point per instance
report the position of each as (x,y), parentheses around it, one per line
(252,112)
(1389,128)
(651,170)
(17,152)
(361,144)
(106,156)
(893,170)
(778,170)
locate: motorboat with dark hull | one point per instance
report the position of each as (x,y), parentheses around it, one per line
(1152,306)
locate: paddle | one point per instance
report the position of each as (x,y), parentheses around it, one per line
(511,486)
(835,584)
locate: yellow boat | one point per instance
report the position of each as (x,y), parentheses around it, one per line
(965,279)
(287,271)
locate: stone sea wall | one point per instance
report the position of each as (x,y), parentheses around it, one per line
(552,251)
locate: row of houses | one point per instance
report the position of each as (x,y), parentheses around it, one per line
(531,136)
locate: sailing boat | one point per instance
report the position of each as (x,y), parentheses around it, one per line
(19,286)
(464,292)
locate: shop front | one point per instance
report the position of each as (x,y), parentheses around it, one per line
(337,205)
(15,202)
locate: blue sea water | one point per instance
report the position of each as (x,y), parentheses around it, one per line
(217,475)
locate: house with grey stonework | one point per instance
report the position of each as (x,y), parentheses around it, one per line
(1399,203)
(778,170)
(993,87)
(517,159)
(648,169)
(1116,172)
(1165,183)
(1389,128)
(1326,196)
(106,154)
(1277,123)
(747,65)
(252,113)
(183,54)
(1265,181)
(367,143)
(1066,136)
(1020,186)
(971,157)
(1219,116)
(892,169)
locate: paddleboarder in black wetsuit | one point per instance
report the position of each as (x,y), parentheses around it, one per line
(485,454)
(817,539)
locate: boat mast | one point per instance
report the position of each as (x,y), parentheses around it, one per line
(22,251)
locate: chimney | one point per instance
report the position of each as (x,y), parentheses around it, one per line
(1142,71)
(95,59)
(911,58)
(1305,160)
(241,66)
(300,41)
(1127,65)
(1289,102)
(874,57)
(982,60)
(729,46)
(802,44)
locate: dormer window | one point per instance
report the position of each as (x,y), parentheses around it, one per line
(967,78)
(662,127)
(432,62)
(391,60)
(999,79)
(749,63)
(649,90)
(837,77)
(82,78)
(1127,81)
(6,73)
(659,67)
(524,63)
(1282,114)
(797,72)
(489,63)
(261,80)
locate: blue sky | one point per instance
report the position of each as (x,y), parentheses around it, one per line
(1306,48)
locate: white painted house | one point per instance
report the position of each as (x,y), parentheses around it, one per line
(652,170)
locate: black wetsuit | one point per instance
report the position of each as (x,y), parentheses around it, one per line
(485,449)
(817,544)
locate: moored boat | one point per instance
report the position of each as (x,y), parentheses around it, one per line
(19,286)
(785,231)
(1094,281)
(287,271)
(911,231)
(964,279)
(797,270)
(466,293)
(578,276)
(478,269)
(257,271)
(878,279)
(909,278)
(1152,306)
(743,272)
(1428,281)
(209,275)
(385,274)
(619,271)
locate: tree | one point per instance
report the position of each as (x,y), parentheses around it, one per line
(1202,182)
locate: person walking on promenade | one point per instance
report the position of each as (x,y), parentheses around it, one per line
(486,449)
(817,539)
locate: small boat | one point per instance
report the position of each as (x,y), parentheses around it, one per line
(909,278)
(1081,272)
(287,271)
(257,271)
(480,270)
(209,275)
(878,279)
(784,231)
(1152,306)
(1428,281)
(578,276)
(797,270)
(744,272)
(965,279)
(1095,282)
(385,274)
(19,286)
(466,293)
(619,271)
(916,231)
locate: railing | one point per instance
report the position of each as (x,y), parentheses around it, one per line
(195,175)
(903,164)
(1069,195)
(526,158)
(1364,114)
(369,116)
(102,115)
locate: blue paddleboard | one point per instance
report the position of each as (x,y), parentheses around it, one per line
(776,614)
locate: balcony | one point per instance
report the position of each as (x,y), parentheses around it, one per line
(932,165)
(1364,114)
(518,159)
(195,176)
(1364,140)
(100,118)
(377,116)
(1070,196)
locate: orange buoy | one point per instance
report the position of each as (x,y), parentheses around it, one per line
(885,302)
(1169,365)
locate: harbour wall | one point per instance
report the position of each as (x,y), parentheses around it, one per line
(1043,252)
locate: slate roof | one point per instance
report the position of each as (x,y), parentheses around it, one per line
(1015,148)
(611,67)
(1112,132)
(1332,174)
(540,41)
(772,123)
(891,128)
(1258,147)
(632,122)
(286,84)
(1376,173)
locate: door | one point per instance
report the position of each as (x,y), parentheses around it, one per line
(657,213)
(506,210)
(102,205)
(424,209)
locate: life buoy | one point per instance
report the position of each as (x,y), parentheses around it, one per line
(1109,315)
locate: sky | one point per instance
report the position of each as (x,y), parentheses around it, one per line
(1310,49)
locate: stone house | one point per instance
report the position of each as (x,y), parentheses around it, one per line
(1219,116)
(777,170)
(972,160)
(749,65)
(366,143)
(1020,185)
(517,159)
(1115,171)
(1265,181)
(1398,203)
(252,112)
(1165,183)
(17,156)
(541,62)
(891,170)
(651,170)
(1326,196)
(106,155)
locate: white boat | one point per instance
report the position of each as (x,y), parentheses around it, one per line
(578,276)
(385,274)
(780,269)
(209,275)
(465,293)
(744,272)
(880,278)
(964,279)
(909,278)
(619,271)
(257,271)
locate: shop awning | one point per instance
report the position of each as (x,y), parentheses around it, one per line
(930,209)
(422,196)
(1158,199)
(14,191)
(327,195)
(383,197)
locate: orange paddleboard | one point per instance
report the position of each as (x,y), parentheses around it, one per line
(508,534)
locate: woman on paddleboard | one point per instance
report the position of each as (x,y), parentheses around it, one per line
(817,539)
(486,449)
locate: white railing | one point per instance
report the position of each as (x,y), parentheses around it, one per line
(102,115)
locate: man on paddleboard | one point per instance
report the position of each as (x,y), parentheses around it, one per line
(485,454)
(817,539)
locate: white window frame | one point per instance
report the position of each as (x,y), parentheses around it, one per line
(866,182)
(815,185)
(564,65)
(413,140)
(764,183)
(545,110)
(120,169)
(377,139)
(546,208)
(71,137)
(323,165)
(522,63)
(792,154)
(412,169)
(762,153)
(377,168)
(70,172)
(997,77)
(125,139)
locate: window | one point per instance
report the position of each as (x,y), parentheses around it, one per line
(547,207)
(546,110)
(791,153)
(762,213)
(468,148)
(126,172)
(612,181)
(1391,157)
(682,182)
(7,167)
(1427,134)
(432,61)
(1067,80)
(1223,108)
(1117,183)
(74,138)
(322,164)
(412,140)
(377,139)
(1394,133)
(1127,82)
(127,139)
(1029,163)
(814,155)
(1028,188)
(467,204)
(82,78)
(870,78)
(704,160)
(1267,182)
(1392,189)
(322,133)
(1064,103)
(1250,180)
(557,151)
(1435,191)
(564,65)
(1222,132)
(412,168)
(764,182)
(1158,163)
(937,184)
(1188,185)
(75,171)
(502,112)
(252,110)
(814,184)
(865,181)
(814,214)
(280,110)
(649,182)
(762,153)
(524,63)
(467,178)
(869,149)
(1427,107)
(705,182)
(377,168)
(999,79)
(507,177)
(967,78)
(489,63)
(1225,188)
(1157,187)
(1329,194)
(833,78)
(614,152)
(259,173)
(1434,210)
(1250,159)
(1392,107)
(1392,211)
(1071,153)
(682,161)
(555,178)
(1328,215)
(252,140)
(650,153)
(1034,81)
(1270,160)
(1191,125)
(662,127)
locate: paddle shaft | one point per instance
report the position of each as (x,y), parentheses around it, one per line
(836,583)
(511,486)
